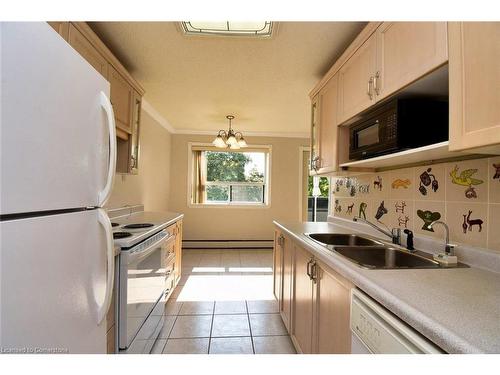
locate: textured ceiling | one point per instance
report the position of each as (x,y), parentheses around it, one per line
(194,81)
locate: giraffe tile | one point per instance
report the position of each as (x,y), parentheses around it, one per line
(468,223)
(401,183)
(466,181)
(430,182)
(424,213)
(380,185)
(494,179)
(493,225)
(401,213)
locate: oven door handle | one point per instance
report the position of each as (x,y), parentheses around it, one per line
(135,256)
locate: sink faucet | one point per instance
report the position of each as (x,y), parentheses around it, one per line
(394,234)
(448,247)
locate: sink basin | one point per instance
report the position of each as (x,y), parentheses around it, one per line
(339,239)
(384,257)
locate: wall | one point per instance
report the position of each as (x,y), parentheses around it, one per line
(202,223)
(151,185)
(448,191)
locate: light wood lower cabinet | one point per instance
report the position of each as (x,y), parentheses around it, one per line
(331,312)
(178,252)
(277,265)
(302,302)
(286,295)
(474,68)
(314,300)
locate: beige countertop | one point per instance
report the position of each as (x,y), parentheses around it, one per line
(458,308)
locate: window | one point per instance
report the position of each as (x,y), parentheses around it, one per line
(230,177)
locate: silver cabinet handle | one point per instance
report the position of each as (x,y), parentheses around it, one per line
(369,89)
(375,83)
(309,268)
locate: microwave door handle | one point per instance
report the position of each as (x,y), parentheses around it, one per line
(135,256)
(105,193)
(103,219)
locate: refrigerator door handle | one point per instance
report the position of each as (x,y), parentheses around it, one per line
(108,108)
(110,264)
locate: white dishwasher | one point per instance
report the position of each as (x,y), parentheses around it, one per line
(375,330)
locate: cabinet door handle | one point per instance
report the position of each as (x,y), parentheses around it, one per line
(369,89)
(375,83)
(313,271)
(309,269)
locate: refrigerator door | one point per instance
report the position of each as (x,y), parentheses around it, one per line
(53,283)
(55,125)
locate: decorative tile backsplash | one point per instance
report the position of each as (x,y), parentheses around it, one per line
(464,194)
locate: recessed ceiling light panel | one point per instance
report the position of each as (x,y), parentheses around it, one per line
(260,29)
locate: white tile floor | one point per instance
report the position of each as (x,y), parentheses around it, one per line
(224,304)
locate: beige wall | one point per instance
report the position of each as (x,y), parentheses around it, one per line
(151,186)
(235,223)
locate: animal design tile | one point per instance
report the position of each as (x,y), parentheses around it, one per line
(466,181)
(494,180)
(428,217)
(468,223)
(430,182)
(401,183)
(458,193)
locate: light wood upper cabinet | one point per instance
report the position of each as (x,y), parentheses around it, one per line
(61,27)
(474,68)
(332,309)
(406,51)
(286,298)
(277,265)
(328,97)
(302,303)
(356,80)
(82,45)
(121,99)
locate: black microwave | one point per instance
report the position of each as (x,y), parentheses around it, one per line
(398,125)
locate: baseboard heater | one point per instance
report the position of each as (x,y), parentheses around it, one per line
(227,244)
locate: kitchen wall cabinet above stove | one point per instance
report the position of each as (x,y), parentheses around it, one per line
(126,92)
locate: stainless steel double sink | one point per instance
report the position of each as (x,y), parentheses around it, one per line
(373,254)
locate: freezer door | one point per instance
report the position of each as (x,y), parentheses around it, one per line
(54,127)
(53,283)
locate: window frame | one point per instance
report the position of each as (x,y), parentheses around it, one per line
(247,205)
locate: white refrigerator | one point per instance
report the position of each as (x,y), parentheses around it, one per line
(58,156)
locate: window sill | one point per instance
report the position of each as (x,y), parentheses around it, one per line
(230,205)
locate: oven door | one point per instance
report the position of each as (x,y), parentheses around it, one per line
(143,274)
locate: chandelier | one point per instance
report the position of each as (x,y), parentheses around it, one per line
(231,139)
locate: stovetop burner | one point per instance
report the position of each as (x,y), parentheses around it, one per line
(114,224)
(117,235)
(138,226)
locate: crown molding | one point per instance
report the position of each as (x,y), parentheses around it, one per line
(147,107)
(245,133)
(154,114)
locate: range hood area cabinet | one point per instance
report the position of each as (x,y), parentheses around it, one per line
(388,58)
(126,92)
(314,300)
(474,68)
